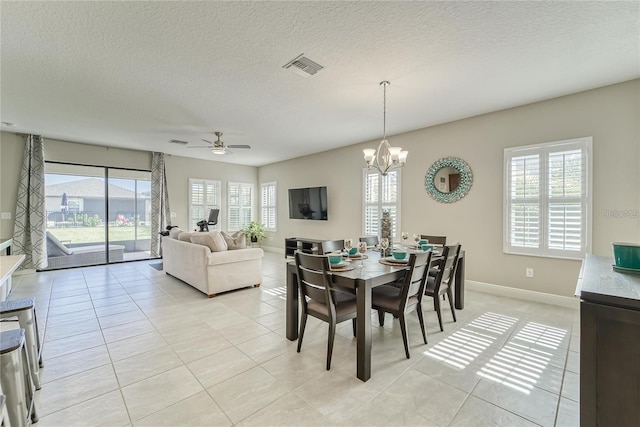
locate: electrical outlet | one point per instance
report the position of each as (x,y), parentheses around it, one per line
(173,215)
(6,215)
(529,272)
(271,238)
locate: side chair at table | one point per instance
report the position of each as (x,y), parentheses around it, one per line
(321,299)
(370,240)
(329,246)
(435,240)
(405,298)
(441,282)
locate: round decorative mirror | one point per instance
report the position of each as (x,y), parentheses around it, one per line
(448,180)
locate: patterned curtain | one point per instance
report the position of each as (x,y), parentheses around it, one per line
(30,225)
(160,211)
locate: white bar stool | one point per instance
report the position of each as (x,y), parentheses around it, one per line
(15,378)
(25,310)
(4,417)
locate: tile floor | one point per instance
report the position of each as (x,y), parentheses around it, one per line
(128,345)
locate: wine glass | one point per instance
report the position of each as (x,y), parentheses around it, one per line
(384,244)
(348,244)
(362,249)
(405,236)
(416,237)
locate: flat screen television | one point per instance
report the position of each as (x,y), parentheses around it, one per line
(308,203)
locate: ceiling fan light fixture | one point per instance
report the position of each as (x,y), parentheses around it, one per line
(218,150)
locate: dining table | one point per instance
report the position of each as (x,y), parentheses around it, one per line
(367,274)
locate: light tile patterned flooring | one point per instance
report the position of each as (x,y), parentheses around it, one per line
(128,345)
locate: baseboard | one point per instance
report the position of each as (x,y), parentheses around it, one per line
(272,249)
(524,294)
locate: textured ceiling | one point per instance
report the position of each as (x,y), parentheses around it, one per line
(137,74)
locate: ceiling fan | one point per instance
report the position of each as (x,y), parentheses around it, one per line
(219,147)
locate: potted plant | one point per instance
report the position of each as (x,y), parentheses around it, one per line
(254,231)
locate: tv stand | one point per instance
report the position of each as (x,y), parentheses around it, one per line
(309,246)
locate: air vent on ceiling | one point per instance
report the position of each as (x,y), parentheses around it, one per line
(303,66)
(177,141)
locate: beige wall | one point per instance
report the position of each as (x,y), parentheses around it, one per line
(611,115)
(179,170)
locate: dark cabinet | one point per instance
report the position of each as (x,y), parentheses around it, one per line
(609,345)
(310,246)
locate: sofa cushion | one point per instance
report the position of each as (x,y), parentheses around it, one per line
(55,247)
(236,240)
(185,236)
(174,232)
(212,239)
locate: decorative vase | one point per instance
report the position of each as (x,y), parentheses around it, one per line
(385,231)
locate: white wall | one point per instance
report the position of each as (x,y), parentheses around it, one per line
(611,115)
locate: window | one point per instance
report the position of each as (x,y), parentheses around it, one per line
(240,205)
(547,199)
(268,204)
(381,193)
(203,196)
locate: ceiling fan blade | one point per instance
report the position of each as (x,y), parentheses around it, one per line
(208,142)
(239,146)
(201,146)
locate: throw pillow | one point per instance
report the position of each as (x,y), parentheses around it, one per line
(185,236)
(236,240)
(174,232)
(55,246)
(213,240)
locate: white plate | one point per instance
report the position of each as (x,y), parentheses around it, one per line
(398,261)
(340,264)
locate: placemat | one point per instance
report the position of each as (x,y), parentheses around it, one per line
(345,268)
(391,263)
(356,258)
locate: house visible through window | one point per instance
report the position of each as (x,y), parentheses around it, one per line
(268,202)
(547,206)
(381,193)
(240,205)
(203,196)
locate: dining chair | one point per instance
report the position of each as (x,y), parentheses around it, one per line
(435,240)
(441,282)
(370,240)
(321,299)
(329,246)
(399,301)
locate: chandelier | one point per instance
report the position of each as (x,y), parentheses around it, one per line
(387,157)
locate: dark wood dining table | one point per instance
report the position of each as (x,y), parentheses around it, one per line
(360,280)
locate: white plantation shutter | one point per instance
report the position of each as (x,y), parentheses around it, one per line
(240,205)
(268,204)
(547,203)
(203,196)
(380,193)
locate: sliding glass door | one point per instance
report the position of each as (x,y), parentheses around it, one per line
(96,215)
(130,211)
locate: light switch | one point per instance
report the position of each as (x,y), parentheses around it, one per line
(6,215)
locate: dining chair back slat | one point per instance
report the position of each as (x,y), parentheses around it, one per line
(329,246)
(434,240)
(370,240)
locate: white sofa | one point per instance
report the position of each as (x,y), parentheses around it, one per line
(210,271)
